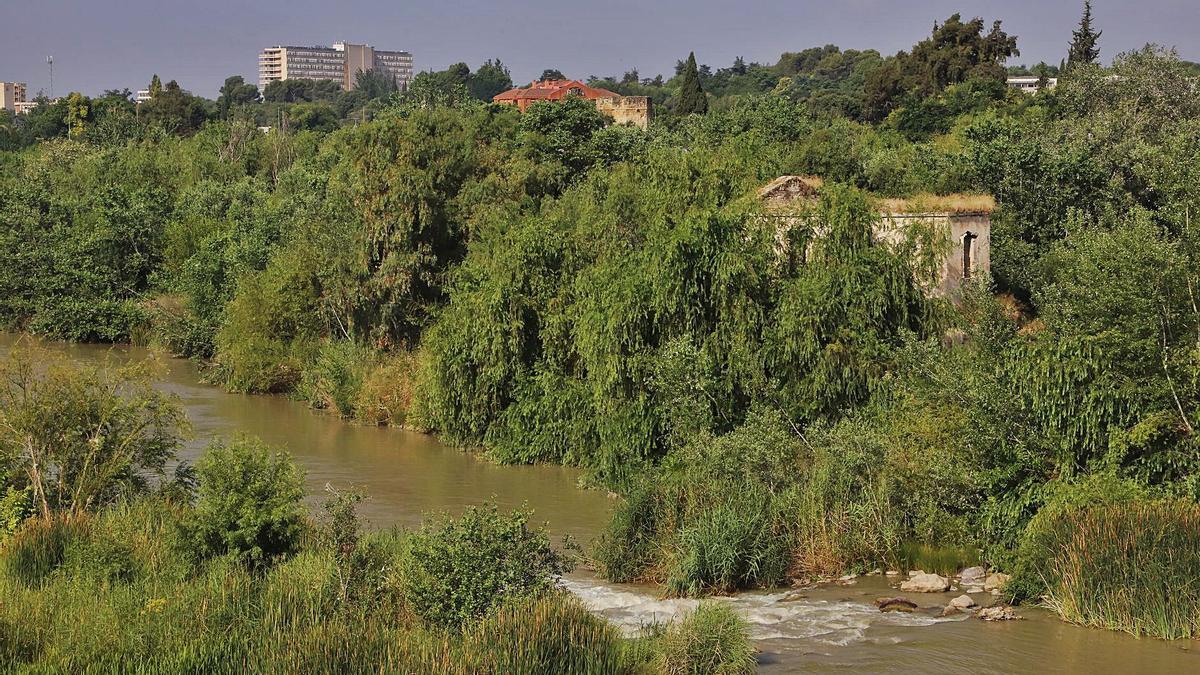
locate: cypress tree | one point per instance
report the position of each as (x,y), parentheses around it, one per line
(691,96)
(1083,49)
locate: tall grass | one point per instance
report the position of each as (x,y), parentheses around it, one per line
(713,640)
(1132,567)
(118,592)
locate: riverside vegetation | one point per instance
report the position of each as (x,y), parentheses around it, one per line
(109,563)
(549,288)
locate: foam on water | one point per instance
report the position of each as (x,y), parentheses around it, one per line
(771,616)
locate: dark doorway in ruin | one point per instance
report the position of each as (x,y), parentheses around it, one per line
(968,241)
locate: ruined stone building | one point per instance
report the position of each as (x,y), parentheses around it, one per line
(961,222)
(635,110)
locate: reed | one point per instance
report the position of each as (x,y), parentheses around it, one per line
(115,592)
(713,640)
(1132,567)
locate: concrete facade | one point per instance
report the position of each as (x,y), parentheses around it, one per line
(341,63)
(1028,84)
(960,224)
(12,94)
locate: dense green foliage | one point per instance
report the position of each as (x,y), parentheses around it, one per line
(248,503)
(774,394)
(459,568)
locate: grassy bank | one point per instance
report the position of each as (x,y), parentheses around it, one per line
(125,591)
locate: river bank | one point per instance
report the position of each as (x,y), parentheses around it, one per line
(829,629)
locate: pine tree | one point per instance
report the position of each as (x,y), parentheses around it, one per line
(692,99)
(1083,49)
(155,86)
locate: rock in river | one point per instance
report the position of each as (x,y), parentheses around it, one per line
(972,576)
(926,583)
(963,601)
(998,613)
(895,604)
(995,582)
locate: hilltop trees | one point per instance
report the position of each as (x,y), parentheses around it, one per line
(235,92)
(692,99)
(490,79)
(1083,49)
(955,53)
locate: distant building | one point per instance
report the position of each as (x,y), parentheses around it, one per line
(635,110)
(11,94)
(963,222)
(340,63)
(1028,84)
(142,96)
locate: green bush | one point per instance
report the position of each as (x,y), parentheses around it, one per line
(712,640)
(79,436)
(334,379)
(550,634)
(456,569)
(386,396)
(1133,567)
(248,503)
(714,519)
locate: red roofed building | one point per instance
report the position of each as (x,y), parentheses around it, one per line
(550,90)
(623,109)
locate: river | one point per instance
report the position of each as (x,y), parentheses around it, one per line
(407,475)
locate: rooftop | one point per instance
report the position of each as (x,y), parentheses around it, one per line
(786,190)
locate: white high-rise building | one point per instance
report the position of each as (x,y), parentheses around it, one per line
(341,63)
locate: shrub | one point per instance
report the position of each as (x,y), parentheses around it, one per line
(248,503)
(1133,567)
(334,379)
(712,640)
(386,396)
(82,436)
(550,634)
(456,569)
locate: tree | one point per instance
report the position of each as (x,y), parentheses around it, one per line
(490,79)
(1083,50)
(552,74)
(79,437)
(375,84)
(175,110)
(249,503)
(235,92)
(692,99)
(155,86)
(77,113)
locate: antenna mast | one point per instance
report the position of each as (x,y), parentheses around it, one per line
(50,62)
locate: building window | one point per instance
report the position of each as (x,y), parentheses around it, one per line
(968,259)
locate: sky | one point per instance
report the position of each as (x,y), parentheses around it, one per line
(110,44)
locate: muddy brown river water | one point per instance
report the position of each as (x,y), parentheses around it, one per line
(832,630)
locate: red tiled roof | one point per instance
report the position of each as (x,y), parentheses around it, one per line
(552,90)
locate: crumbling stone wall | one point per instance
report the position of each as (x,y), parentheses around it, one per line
(635,110)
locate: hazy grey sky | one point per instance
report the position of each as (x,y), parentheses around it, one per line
(103,44)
